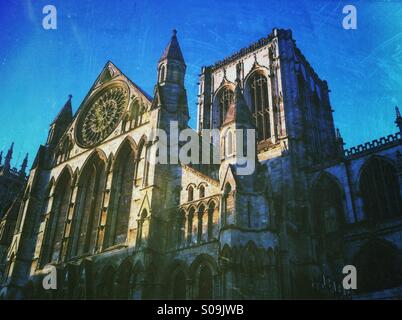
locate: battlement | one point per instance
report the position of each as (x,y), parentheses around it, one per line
(373,145)
(254,46)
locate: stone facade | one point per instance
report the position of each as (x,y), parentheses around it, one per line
(118,226)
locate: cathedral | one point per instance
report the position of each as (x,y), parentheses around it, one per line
(115,225)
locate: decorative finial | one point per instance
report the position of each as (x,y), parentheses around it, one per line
(24,166)
(174,32)
(9,156)
(338,133)
(398,120)
(70,96)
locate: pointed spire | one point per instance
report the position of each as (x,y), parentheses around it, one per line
(24,166)
(398,120)
(66,113)
(9,156)
(173,51)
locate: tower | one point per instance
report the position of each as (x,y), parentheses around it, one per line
(170,93)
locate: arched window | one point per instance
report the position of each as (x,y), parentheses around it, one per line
(141,225)
(201,211)
(162,74)
(179,285)
(135,113)
(228,199)
(202,191)
(211,211)
(141,163)
(379,187)
(88,206)
(229,143)
(120,197)
(190,193)
(55,226)
(258,89)
(205,283)
(180,227)
(190,225)
(328,206)
(225,100)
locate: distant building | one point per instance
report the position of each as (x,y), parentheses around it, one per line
(12,184)
(117,226)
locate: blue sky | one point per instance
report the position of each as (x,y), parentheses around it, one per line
(40,68)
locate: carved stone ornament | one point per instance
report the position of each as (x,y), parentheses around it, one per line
(101,116)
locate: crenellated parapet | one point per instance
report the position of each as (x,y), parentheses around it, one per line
(391,139)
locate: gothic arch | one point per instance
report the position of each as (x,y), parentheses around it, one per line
(121,195)
(193,185)
(141,162)
(201,191)
(54,232)
(227,143)
(250,260)
(177,278)
(329,208)
(95,154)
(106,287)
(190,192)
(202,183)
(123,280)
(203,258)
(162,73)
(379,188)
(378,262)
(256,69)
(202,204)
(88,205)
(227,202)
(203,272)
(222,99)
(67,168)
(257,94)
(128,140)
